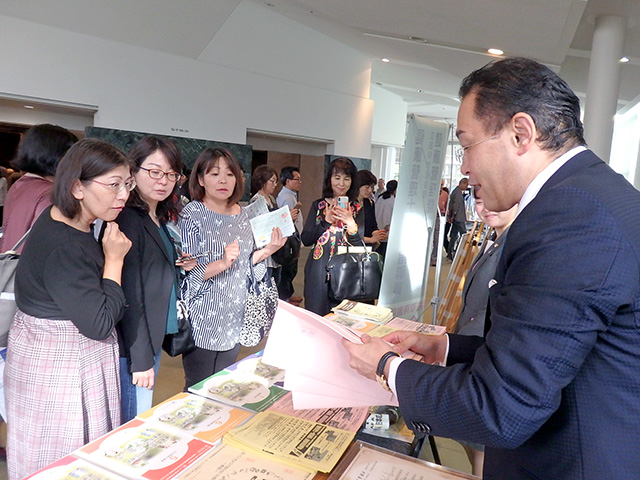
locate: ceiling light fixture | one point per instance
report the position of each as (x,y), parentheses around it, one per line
(28,106)
(624,59)
(495,51)
(385,60)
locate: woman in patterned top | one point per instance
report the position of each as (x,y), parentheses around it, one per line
(215,226)
(327,227)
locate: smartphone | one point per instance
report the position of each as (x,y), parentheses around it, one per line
(185,258)
(343,202)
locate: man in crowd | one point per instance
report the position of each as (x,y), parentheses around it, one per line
(291,183)
(552,389)
(457,216)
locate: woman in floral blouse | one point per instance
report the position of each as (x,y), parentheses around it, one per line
(327,227)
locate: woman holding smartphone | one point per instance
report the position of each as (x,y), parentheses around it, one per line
(61,376)
(334,220)
(216,288)
(150,277)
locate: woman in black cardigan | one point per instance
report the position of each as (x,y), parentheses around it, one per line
(150,274)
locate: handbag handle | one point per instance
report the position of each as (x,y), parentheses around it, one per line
(20,242)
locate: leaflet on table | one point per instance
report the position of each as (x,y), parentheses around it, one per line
(253,365)
(369,462)
(294,441)
(141,450)
(240,389)
(263,225)
(357,325)
(363,311)
(231,463)
(306,344)
(196,416)
(348,418)
(71,467)
(403,324)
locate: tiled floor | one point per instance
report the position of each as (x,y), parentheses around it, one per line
(171,380)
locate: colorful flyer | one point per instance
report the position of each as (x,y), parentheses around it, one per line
(144,450)
(72,468)
(196,416)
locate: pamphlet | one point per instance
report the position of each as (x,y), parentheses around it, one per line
(141,450)
(230,463)
(70,467)
(251,386)
(363,311)
(318,362)
(369,462)
(196,416)
(294,441)
(348,418)
(263,225)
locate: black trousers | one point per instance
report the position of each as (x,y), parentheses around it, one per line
(287,274)
(202,363)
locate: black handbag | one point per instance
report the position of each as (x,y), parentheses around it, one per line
(354,276)
(260,308)
(289,251)
(181,342)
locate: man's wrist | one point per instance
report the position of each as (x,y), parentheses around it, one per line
(382,371)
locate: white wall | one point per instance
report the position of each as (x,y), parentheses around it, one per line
(309,85)
(389,118)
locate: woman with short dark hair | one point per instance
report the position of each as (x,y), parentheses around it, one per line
(150,278)
(61,377)
(216,229)
(328,226)
(39,152)
(264,181)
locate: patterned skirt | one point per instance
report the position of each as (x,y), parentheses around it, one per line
(62,391)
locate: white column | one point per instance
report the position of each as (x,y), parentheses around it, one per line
(604,83)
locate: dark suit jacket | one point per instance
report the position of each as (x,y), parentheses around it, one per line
(457,209)
(554,390)
(148,276)
(475,293)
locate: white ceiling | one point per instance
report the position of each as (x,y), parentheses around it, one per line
(432,44)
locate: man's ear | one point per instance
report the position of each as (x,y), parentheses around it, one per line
(78,190)
(524,131)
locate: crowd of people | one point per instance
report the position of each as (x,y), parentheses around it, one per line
(542,345)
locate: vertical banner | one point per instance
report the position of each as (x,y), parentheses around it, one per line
(405,276)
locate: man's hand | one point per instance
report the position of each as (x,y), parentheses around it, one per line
(144,379)
(432,347)
(365,357)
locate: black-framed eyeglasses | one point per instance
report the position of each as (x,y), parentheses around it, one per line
(460,152)
(294,179)
(158,174)
(273,180)
(116,187)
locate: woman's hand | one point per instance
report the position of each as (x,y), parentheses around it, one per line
(276,243)
(378,236)
(329,212)
(231,253)
(115,244)
(186,263)
(144,379)
(345,216)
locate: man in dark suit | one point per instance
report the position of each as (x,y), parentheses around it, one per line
(552,389)
(457,216)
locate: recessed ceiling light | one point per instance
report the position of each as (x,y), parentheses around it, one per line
(385,60)
(28,106)
(419,90)
(624,59)
(495,51)
(269,4)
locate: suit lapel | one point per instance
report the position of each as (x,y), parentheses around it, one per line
(152,230)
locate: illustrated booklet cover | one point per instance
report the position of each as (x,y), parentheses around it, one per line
(250,384)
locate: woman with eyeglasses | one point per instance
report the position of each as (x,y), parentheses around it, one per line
(264,181)
(215,225)
(61,377)
(150,278)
